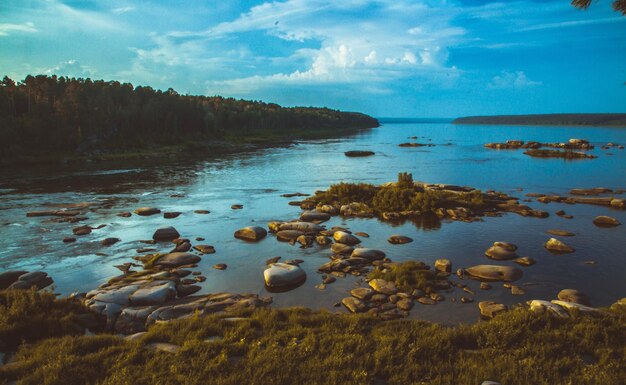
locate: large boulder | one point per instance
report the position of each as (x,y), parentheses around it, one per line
(494,273)
(165,234)
(38,279)
(355,305)
(251,233)
(382,286)
(340,248)
(279,275)
(557,246)
(305,227)
(146,211)
(288,235)
(155,293)
(8,277)
(541,306)
(605,221)
(314,216)
(573,295)
(345,238)
(367,253)
(177,259)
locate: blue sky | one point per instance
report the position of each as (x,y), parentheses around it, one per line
(383,57)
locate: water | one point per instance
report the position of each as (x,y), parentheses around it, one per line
(257,179)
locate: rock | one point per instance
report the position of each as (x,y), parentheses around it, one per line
(155,293)
(272,260)
(618,203)
(165,234)
(356,209)
(505,245)
(382,286)
(443,265)
(500,253)
(109,241)
(8,277)
(561,233)
(38,279)
(81,230)
(182,247)
(362,293)
(146,211)
(288,235)
(557,246)
(171,215)
(57,213)
(236,207)
(404,304)
(125,214)
(323,240)
(354,305)
(573,305)
(367,253)
(485,286)
(540,306)
(490,309)
(305,240)
(516,290)
(345,238)
(205,249)
(163,347)
(314,216)
(177,259)
(304,227)
(357,153)
(204,212)
(573,295)
(69,239)
(251,233)
(362,234)
(330,279)
(467,299)
(490,383)
(620,305)
(494,273)
(426,301)
(605,221)
(283,275)
(220,266)
(185,290)
(340,248)
(399,239)
(525,261)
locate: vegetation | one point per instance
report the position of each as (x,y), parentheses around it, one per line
(548,120)
(299,346)
(407,276)
(60,117)
(567,154)
(618,5)
(405,195)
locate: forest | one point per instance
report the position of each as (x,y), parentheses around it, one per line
(616,120)
(61,116)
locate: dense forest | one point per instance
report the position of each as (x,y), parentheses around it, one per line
(548,120)
(74,117)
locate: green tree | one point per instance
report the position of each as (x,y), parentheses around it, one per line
(618,5)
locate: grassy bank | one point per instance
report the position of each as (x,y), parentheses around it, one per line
(299,346)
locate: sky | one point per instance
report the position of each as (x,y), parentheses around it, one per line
(387,58)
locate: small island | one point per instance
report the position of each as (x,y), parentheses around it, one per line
(614,120)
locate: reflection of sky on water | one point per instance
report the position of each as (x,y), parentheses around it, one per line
(257,179)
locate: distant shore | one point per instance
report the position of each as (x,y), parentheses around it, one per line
(612,120)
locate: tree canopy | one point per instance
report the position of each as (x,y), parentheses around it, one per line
(618,5)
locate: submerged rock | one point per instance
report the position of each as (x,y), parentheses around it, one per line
(399,239)
(561,233)
(147,211)
(495,273)
(357,153)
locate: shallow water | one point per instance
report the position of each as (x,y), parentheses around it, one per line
(257,179)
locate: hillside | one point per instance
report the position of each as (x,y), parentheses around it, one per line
(548,120)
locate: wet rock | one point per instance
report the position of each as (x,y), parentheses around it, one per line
(345,238)
(561,233)
(323,240)
(81,230)
(220,266)
(155,293)
(165,234)
(382,286)
(354,305)
(399,239)
(283,275)
(236,207)
(205,249)
(357,153)
(362,234)
(203,212)
(182,247)
(618,203)
(251,233)
(298,194)
(109,241)
(69,239)
(125,214)
(305,240)
(500,253)
(330,279)
(362,293)
(494,273)
(443,265)
(490,309)
(340,248)
(147,211)
(573,295)
(557,246)
(38,279)
(467,299)
(605,221)
(426,301)
(171,214)
(367,253)
(525,261)
(314,216)
(272,260)
(288,235)
(304,227)
(177,259)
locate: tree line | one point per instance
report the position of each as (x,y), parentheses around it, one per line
(76,116)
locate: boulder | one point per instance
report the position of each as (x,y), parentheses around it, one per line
(525,261)
(38,279)
(155,293)
(81,230)
(354,305)
(605,221)
(557,246)
(358,154)
(500,253)
(399,239)
(405,304)
(561,233)
(573,295)
(109,241)
(171,215)
(494,273)
(314,216)
(540,306)
(8,277)
(340,248)
(323,240)
(505,245)
(618,203)
(288,235)
(251,233)
(367,253)
(573,305)
(304,227)
(345,238)
(490,309)
(165,234)
(220,266)
(383,287)
(443,265)
(283,275)
(177,259)
(362,293)
(146,211)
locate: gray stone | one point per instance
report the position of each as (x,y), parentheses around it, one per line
(155,293)
(282,275)
(495,273)
(367,253)
(165,234)
(177,259)
(354,305)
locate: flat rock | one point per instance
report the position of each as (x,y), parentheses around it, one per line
(557,246)
(367,253)
(314,216)
(494,273)
(573,295)
(220,266)
(355,305)
(426,301)
(362,293)
(146,211)
(605,221)
(282,275)
(358,153)
(165,234)
(382,286)
(561,233)
(500,253)
(573,305)
(251,233)
(399,239)
(490,309)
(304,227)
(171,214)
(109,241)
(177,259)
(155,293)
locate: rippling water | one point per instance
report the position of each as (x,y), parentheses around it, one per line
(257,179)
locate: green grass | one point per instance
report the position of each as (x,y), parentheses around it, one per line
(407,276)
(299,346)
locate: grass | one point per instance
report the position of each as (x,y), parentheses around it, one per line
(407,276)
(300,346)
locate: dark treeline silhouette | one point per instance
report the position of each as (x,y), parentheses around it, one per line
(548,120)
(61,115)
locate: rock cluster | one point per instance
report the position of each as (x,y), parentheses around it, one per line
(572,144)
(18,279)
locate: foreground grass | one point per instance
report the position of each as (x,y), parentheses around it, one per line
(299,346)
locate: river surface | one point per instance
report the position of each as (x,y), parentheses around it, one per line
(257,179)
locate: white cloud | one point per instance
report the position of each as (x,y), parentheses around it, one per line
(121,10)
(515,80)
(7,28)
(71,68)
